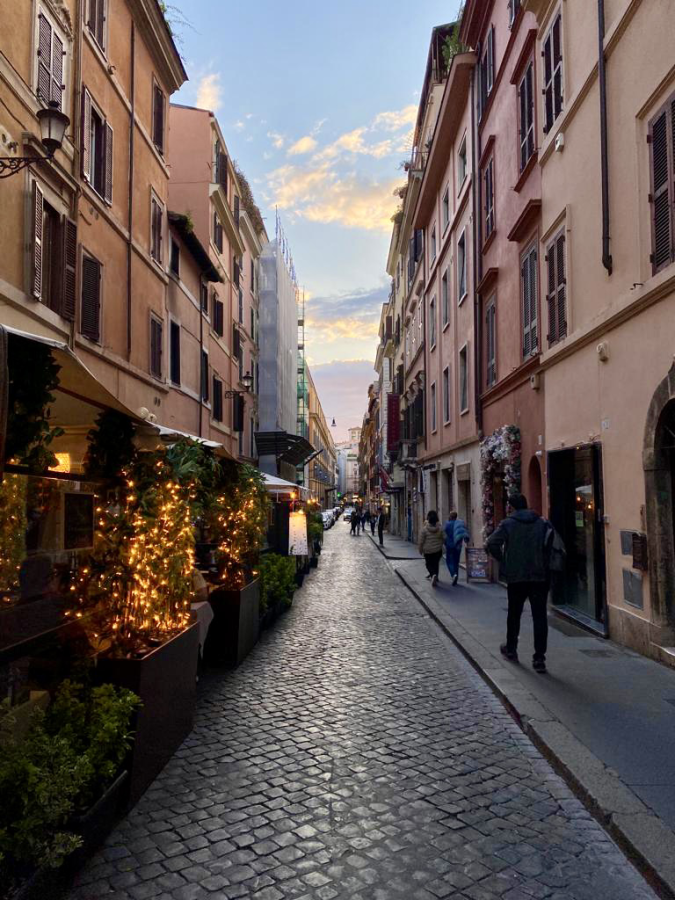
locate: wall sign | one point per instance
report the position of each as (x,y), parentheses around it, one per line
(477,564)
(297,534)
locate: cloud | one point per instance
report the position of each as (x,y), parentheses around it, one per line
(209,92)
(342,386)
(239,126)
(396,120)
(304,145)
(278,140)
(352,315)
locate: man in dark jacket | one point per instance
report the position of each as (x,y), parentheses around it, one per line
(522,544)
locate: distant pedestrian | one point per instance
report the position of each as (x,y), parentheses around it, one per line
(354,522)
(431,544)
(523,544)
(363,521)
(456,534)
(373,521)
(381,522)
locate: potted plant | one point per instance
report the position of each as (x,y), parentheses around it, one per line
(60,784)
(238,518)
(277,579)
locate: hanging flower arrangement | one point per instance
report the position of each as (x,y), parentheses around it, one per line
(500,453)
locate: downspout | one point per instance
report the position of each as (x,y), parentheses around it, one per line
(477,262)
(201,357)
(602,83)
(132,128)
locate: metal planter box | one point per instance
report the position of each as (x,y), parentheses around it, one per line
(235,628)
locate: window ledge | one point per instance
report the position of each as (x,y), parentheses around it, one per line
(463,412)
(462,298)
(489,241)
(525,174)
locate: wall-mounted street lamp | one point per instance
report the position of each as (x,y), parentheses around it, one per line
(53,124)
(247,381)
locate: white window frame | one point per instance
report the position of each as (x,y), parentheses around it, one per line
(462,271)
(463,381)
(447,406)
(433,401)
(445,298)
(445,210)
(548,126)
(461,164)
(155,197)
(67,59)
(432,323)
(432,247)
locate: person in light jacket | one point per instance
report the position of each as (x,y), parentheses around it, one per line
(431,542)
(456,534)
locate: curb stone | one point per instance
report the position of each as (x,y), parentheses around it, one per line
(637,830)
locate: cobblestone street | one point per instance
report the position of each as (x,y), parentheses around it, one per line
(357,754)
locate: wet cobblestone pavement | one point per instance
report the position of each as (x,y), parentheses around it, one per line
(356,754)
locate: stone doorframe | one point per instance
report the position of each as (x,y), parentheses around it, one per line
(659,514)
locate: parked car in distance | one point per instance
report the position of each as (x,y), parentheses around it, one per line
(348,513)
(328,519)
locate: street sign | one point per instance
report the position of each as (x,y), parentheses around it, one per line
(477,564)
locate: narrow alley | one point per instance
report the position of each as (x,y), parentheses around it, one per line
(357,754)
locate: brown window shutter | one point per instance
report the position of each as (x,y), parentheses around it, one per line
(69,269)
(86,134)
(236,342)
(534,306)
(91,299)
(551,296)
(108,164)
(100,22)
(662,239)
(38,200)
(561,288)
(57,70)
(158,119)
(156,348)
(238,409)
(44,60)
(525,281)
(236,210)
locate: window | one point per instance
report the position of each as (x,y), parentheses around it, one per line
(155,347)
(433,406)
(461,164)
(489,199)
(204,377)
(237,210)
(491,343)
(446,395)
(156,218)
(252,276)
(557,289)
(252,435)
(218,315)
(97,149)
(530,305)
(662,198)
(553,83)
(50,63)
(445,306)
(90,298)
(174,263)
(204,296)
(398,274)
(433,243)
(461,267)
(158,115)
(487,71)
(238,410)
(241,307)
(252,332)
(174,352)
(420,322)
(526,116)
(96,16)
(463,379)
(514,9)
(445,210)
(432,323)
(217,232)
(217,399)
(236,274)
(236,342)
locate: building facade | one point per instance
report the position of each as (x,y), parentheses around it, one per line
(322,467)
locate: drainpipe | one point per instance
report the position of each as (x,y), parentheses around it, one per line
(132,128)
(606,255)
(477,261)
(201,357)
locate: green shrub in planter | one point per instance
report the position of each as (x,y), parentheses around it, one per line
(277,580)
(65,762)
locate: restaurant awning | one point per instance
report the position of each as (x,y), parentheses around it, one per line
(171,435)
(278,486)
(291,448)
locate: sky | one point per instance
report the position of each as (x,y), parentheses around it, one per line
(317,102)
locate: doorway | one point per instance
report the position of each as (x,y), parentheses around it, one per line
(534,495)
(464,501)
(576,511)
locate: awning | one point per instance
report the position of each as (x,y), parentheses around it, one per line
(291,448)
(278,486)
(171,435)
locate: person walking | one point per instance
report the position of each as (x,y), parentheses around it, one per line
(367,516)
(522,545)
(381,522)
(431,544)
(373,521)
(354,522)
(363,522)
(456,534)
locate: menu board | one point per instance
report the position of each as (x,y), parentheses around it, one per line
(297,534)
(477,564)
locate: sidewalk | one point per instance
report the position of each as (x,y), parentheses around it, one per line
(604,714)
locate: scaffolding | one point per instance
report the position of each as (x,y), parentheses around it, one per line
(302,427)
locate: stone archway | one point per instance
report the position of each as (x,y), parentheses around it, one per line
(658,460)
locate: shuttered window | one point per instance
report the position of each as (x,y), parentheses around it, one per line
(553,74)
(530,301)
(220,166)
(236,273)
(662,197)
(217,407)
(489,198)
(526,115)
(204,296)
(97,149)
(241,307)
(155,347)
(204,377)
(432,396)
(158,114)
(556,296)
(90,301)
(236,342)
(156,220)
(174,260)
(461,267)
(487,71)
(514,9)
(218,316)
(174,347)
(464,379)
(238,410)
(38,208)
(217,232)
(432,323)
(445,306)
(53,256)
(50,63)
(491,343)
(237,210)
(446,395)
(96,16)
(69,269)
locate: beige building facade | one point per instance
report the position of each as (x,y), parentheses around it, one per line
(322,468)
